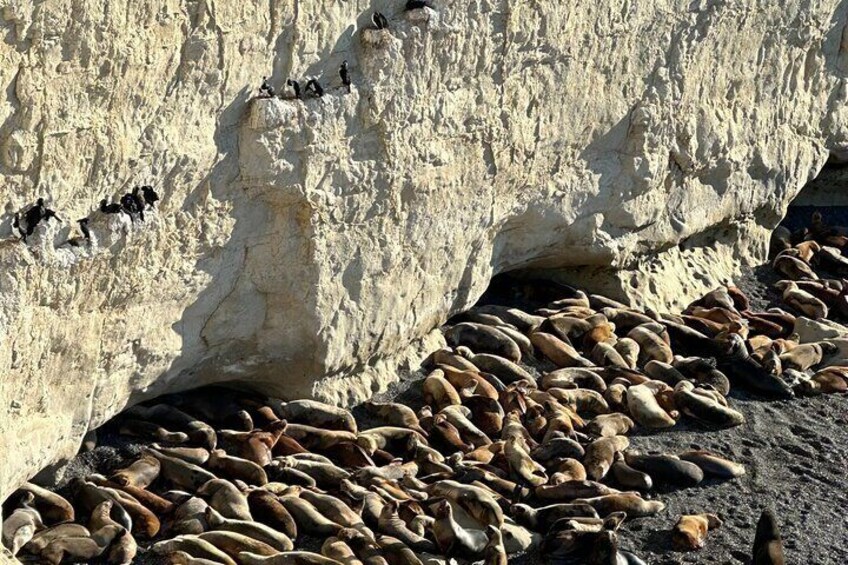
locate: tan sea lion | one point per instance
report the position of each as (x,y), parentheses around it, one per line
(226,498)
(515,316)
(690,532)
(314,413)
(141,473)
(629,351)
(256,445)
(44,537)
(502,368)
(541,518)
(391,524)
(194,455)
(230,467)
(123,549)
(604,354)
(483,339)
(628,477)
(334,548)
(309,520)
(793,267)
(254,530)
(495,552)
(715,465)
(802,301)
(189,517)
(631,503)
(522,465)
(609,425)
(567,491)
(806,355)
(600,455)
(20,526)
(319,439)
(395,414)
(573,377)
(52,507)
(182,473)
(478,502)
(559,352)
(453,539)
(149,430)
(197,430)
(651,345)
(705,409)
(645,409)
(265,508)
(233,543)
(193,546)
(458,416)
(438,391)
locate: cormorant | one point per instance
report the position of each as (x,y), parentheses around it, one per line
(418,4)
(344,72)
(296,87)
(379,21)
(139,202)
(266,90)
(107,208)
(128,206)
(83,226)
(150,195)
(315,87)
(39,212)
(16,223)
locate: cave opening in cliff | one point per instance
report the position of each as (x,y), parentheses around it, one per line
(825,194)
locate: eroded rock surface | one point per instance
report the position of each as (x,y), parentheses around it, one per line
(300,248)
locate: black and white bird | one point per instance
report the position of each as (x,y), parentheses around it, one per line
(418,4)
(151,197)
(315,87)
(113,208)
(266,90)
(379,21)
(344,72)
(36,214)
(83,226)
(295,86)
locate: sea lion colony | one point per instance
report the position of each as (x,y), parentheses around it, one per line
(497,462)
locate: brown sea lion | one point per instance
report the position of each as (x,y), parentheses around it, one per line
(715,465)
(690,532)
(483,339)
(52,507)
(194,455)
(631,503)
(768,545)
(502,368)
(265,508)
(559,352)
(20,526)
(600,455)
(232,468)
(226,498)
(627,477)
(141,473)
(197,430)
(314,413)
(255,530)
(181,473)
(609,425)
(193,546)
(438,391)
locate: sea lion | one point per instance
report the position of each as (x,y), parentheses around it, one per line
(801,300)
(197,430)
(458,416)
(600,455)
(233,468)
(567,328)
(486,413)
(703,408)
(451,538)
(391,524)
(189,517)
(666,468)
(712,464)
(334,509)
(318,439)
(52,507)
(522,465)
(609,425)
(495,552)
(690,532)
(87,496)
(503,368)
(768,545)
(20,526)
(140,474)
(151,431)
(438,391)
(539,519)
(631,503)
(557,351)
(616,397)
(573,377)
(226,498)
(651,345)
(254,530)
(628,477)
(792,267)
(567,491)
(449,358)
(144,521)
(82,548)
(193,546)
(806,355)
(181,473)
(483,339)
(605,354)
(394,414)
(629,351)
(193,455)
(309,520)
(478,502)
(265,508)
(233,543)
(558,446)
(314,413)
(581,400)
(646,410)
(515,316)
(386,436)
(123,549)
(702,371)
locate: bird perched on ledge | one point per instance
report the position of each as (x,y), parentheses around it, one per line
(344,72)
(379,21)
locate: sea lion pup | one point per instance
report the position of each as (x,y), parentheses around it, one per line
(703,408)
(483,339)
(266,509)
(197,430)
(230,467)
(600,455)
(151,431)
(646,410)
(391,524)
(629,351)
(314,413)
(806,355)
(193,546)
(452,538)
(140,474)
(702,371)
(52,507)
(394,414)
(226,498)
(20,526)
(651,345)
(438,391)
(504,369)
(768,545)
(522,465)
(666,468)
(690,532)
(478,502)
(557,351)
(609,425)
(181,473)
(801,300)
(254,530)
(626,476)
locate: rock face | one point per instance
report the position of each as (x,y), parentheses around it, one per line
(309,248)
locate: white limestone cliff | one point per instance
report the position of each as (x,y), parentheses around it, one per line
(310,248)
